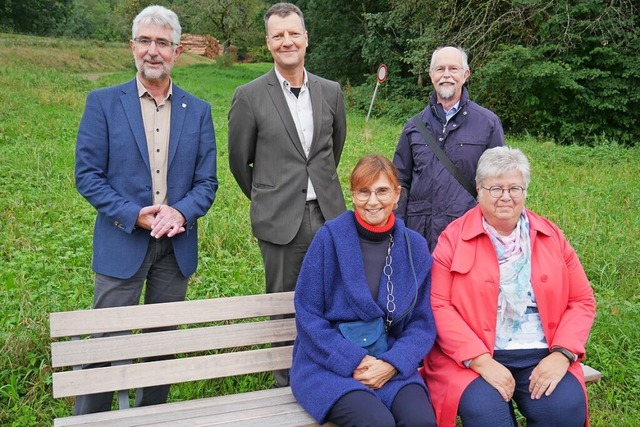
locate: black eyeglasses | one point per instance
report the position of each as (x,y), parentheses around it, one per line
(496,191)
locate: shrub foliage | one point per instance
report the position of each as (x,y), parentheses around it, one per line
(564,70)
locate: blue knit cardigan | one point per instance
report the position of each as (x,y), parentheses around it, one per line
(332,288)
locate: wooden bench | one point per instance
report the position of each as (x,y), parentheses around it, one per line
(218,350)
(223,344)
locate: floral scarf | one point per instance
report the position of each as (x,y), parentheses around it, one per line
(518,324)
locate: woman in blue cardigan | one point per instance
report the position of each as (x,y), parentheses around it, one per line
(365,265)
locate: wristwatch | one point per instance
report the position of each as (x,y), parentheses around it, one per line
(566,353)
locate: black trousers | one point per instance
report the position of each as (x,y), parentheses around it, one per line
(282,263)
(411,407)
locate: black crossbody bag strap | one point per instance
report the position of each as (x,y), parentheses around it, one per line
(442,156)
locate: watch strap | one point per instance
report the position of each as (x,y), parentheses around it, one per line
(566,353)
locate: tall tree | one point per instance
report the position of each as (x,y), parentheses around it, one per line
(93,19)
(337,31)
(38,17)
(236,22)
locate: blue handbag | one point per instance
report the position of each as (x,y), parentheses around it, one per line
(369,335)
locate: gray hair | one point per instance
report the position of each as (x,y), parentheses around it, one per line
(159,16)
(283,10)
(500,160)
(463,55)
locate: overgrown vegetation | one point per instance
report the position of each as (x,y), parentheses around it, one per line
(237,22)
(46,227)
(562,70)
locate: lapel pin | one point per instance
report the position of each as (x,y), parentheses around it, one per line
(184,105)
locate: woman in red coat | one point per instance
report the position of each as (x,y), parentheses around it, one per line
(513,310)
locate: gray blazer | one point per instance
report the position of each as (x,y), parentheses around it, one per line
(267,159)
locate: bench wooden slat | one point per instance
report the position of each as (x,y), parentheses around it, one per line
(80,352)
(85,322)
(173,412)
(590,374)
(73,383)
(283,415)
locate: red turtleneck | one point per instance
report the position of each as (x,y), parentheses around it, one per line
(376,228)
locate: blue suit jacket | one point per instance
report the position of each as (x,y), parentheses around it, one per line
(112,173)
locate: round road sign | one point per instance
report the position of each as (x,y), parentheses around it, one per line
(382,73)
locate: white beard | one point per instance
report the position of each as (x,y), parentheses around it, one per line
(446,92)
(151,73)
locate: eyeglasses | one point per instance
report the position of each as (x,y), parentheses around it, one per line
(383,194)
(160,43)
(452,69)
(496,191)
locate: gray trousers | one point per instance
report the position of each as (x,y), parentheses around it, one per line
(164,283)
(282,263)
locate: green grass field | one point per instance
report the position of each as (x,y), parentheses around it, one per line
(593,194)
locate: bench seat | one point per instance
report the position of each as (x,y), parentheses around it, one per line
(215,338)
(274,407)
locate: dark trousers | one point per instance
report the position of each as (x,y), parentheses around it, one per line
(282,262)
(164,283)
(411,407)
(482,406)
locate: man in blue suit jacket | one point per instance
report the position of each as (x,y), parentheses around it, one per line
(146,161)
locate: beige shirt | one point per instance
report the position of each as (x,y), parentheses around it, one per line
(302,113)
(157,125)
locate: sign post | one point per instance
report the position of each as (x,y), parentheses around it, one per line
(382,76)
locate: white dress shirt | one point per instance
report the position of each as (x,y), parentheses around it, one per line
(302,113)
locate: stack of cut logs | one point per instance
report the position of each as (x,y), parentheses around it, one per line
(201,44)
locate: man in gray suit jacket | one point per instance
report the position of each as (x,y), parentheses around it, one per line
(286,133)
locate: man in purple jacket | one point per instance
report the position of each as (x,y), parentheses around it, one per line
(432,197)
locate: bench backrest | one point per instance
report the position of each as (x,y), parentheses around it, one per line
(228,328)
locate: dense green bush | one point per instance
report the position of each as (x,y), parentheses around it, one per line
(337,36)
(529,93)
(572,99)
(33,16)
(93,19)
(259,54)
(225,61)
